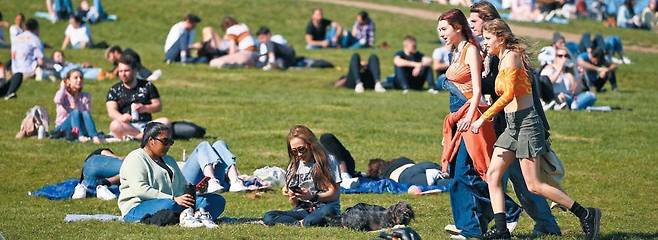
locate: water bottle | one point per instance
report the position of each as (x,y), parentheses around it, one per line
(41,132)
(133,112)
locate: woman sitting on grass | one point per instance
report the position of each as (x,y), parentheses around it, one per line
(74,110)
(311,183)
(152,182)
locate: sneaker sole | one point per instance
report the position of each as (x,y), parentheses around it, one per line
(452,231)
(597,223)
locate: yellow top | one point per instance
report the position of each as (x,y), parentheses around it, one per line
(510,83)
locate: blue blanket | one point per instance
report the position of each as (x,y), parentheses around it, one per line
(64,190)
(369,185)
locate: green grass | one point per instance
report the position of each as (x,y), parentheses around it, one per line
(610,157)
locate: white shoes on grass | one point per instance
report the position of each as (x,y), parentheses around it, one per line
(359,88)
(102,192)
(190,219)
(214,186)
(80,192)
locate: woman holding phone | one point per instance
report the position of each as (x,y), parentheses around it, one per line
(152,182)
(312,183)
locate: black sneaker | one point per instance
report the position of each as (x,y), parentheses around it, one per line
(591,223)
(494,234)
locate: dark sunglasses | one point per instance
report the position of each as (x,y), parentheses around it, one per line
(562,55)
(166,141)
(299,151)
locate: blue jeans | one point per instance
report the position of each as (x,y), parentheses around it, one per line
(182,44)
(63,8)
(292,217)
(535,205)
(582,100)
(457,98)
(79,120)
(405,80)
(99,167)
(349,41)
(212,203)
(218,155)
(469,198)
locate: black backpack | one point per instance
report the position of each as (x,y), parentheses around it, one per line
(187,130)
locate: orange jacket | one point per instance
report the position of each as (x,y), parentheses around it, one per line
(479,146)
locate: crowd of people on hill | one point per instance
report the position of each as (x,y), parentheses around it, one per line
(495,131)
(612,13)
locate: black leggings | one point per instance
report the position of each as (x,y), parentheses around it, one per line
(335,147)
(368,76)
(11,86)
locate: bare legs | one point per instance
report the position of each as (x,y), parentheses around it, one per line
(122,129)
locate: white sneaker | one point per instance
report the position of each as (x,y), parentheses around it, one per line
(103,193)
(359,88)
(38,74)
(548,105)
(237,186)
(155,75)
(432,91)
(187,219)
(379,88)
(204,217)
(214,186)
(405,91)
(559,106)
(80,192)
(452,229)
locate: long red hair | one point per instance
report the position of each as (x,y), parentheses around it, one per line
(457,20)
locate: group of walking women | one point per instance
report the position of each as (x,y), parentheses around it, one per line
(484,144)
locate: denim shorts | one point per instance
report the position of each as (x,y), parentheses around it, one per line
(525,134)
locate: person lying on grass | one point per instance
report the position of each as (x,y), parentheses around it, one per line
(311,183)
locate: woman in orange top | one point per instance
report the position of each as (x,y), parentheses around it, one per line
(524,138)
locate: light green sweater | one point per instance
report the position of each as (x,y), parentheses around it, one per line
(142,179)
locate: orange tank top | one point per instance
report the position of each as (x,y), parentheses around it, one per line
(460,74)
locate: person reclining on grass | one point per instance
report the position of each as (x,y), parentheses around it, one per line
(73,106)
(241,45)
(100,170)
(114,53)
(362,75)
(273,52)
(151,181)
(57,67)
(312,180)
(406,171)
(128,96)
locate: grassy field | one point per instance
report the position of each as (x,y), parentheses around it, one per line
(610,157)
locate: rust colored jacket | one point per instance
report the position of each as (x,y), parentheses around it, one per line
(479,146)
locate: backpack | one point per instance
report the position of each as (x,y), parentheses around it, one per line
(187,130)
(35,117)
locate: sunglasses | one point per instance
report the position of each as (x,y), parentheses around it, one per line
(166,141)
(299,151)
(562,55)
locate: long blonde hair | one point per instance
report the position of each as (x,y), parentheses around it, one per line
(321,174)
(501,30)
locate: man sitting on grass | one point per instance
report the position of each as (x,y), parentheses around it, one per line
(131,102)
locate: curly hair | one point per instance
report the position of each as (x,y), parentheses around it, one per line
(501,30)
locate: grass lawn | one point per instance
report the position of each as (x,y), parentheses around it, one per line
(610,157)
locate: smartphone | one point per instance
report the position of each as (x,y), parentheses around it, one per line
(203,184)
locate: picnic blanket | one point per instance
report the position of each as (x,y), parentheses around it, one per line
(64,190)
(369,185)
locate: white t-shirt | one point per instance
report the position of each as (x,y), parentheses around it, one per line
(239,34)
(78,35)
(175,33)
(25,51)
(14,31)
(304,178)
(442,54)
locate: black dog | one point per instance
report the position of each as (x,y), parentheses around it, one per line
(366,217)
